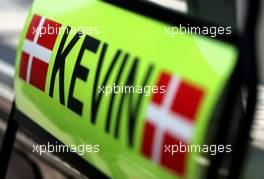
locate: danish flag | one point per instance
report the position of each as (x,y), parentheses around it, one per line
(170,121)
(37,49)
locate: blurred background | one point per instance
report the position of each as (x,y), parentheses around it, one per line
(12,17)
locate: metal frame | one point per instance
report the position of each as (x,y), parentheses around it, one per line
(19,121)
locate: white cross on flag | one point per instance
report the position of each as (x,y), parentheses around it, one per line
(37,49)
(170,121)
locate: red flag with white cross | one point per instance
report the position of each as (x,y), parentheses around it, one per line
(170,121)
(37,48)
